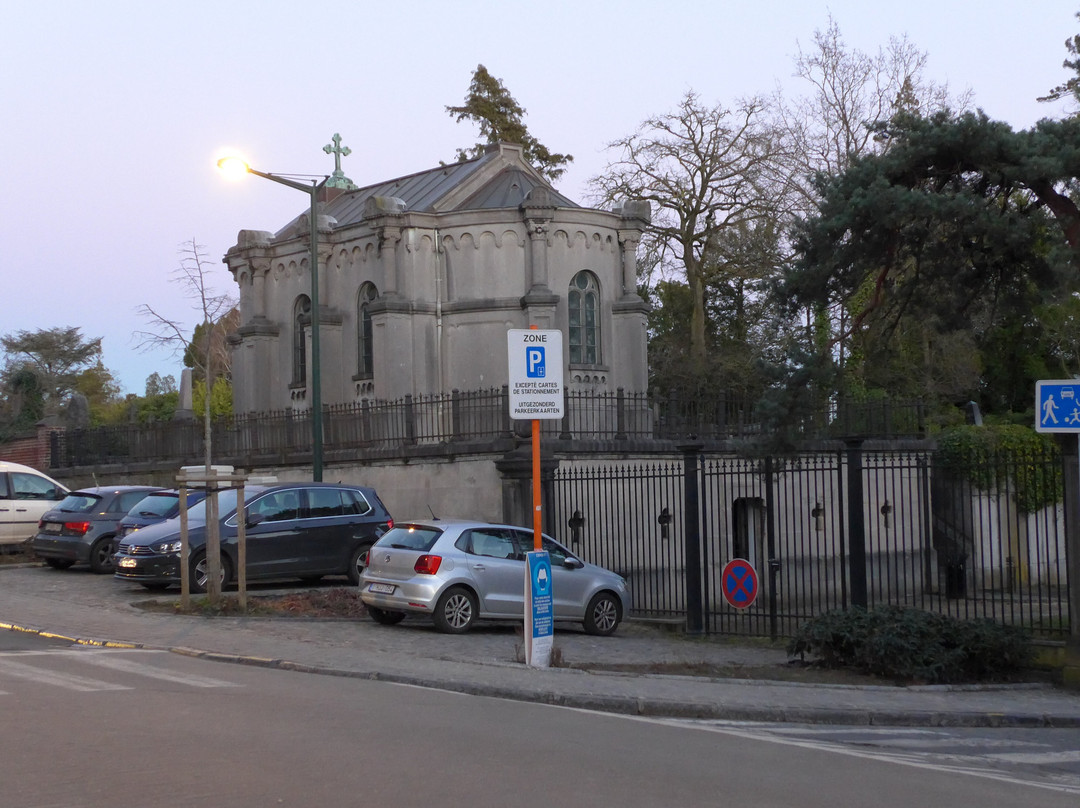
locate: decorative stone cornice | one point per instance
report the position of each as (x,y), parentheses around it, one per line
(258,327)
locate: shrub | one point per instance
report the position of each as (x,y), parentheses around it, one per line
(911,645)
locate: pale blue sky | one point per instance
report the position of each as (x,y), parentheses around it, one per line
(114,112)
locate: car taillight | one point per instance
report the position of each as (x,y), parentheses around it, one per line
(427,564)
(76,528)
(389,524)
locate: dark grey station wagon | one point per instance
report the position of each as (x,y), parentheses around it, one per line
(294,530)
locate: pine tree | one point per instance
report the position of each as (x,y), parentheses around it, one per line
(490,105)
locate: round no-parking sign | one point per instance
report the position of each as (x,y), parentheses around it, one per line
(739,583)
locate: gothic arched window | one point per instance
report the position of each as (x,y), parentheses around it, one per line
(365,364)
(301,323)
(584,304)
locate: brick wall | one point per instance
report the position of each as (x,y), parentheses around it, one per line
(32,450)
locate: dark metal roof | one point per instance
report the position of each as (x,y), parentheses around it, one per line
(424,190)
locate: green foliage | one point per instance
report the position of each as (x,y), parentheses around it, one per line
(221,398)
(57,356)
(1070,87)
(912,645)
(1004,457)
(490,105)
(938,250)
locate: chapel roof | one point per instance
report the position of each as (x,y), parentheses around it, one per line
(499,178)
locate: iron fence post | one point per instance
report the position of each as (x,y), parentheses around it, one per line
(410,420)
(620,414)
(1070,460)
(770,540)
(856,523)
(695,617)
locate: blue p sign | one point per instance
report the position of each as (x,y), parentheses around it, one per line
(535,367)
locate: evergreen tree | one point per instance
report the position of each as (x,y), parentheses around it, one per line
(490,105)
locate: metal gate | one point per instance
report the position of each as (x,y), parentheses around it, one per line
(824,530)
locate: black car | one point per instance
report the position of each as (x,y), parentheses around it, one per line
(81,529)
(157,506)
(295,530)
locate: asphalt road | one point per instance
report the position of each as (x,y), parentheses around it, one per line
(95,727)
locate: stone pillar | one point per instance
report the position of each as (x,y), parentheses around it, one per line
(628,244)
(538,264)
(537,211)
(259,268)
(184,409)
(385,215)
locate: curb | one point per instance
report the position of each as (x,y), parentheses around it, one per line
(619,705)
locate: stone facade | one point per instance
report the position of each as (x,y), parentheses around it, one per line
(421,277)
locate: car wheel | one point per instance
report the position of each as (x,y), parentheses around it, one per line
(456,611)
(358,563)
(603,615)
(199,566)
(384,617)
(101,554)
(58,563)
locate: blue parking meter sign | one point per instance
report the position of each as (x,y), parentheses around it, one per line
(539,609)
(1057,405)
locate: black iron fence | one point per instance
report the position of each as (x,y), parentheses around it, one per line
(460,417)
(824,531)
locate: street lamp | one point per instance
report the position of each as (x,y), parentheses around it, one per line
(234,166)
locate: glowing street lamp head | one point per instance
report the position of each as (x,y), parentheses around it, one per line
(233,167)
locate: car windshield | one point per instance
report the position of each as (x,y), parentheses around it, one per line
(80,502)
(410,537)
(159,504)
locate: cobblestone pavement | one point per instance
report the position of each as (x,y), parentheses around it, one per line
(74,603)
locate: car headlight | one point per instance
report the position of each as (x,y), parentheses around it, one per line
(166,547)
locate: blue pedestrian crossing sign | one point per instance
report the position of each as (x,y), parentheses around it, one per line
(1057,406)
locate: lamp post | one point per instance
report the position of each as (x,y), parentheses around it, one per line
(236,165)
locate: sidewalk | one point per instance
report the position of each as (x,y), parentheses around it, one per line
(97,610)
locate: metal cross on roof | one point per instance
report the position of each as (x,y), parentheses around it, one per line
(338,178)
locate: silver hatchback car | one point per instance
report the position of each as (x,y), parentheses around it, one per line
(460,572)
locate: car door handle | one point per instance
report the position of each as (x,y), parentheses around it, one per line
(480,567)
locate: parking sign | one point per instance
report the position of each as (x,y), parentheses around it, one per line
(535,360)
(535,367)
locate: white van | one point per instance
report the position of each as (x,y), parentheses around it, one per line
(25,495)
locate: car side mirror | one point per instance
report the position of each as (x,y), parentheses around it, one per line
(572,563)
(255,519)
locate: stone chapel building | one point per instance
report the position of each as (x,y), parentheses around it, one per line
(422,276)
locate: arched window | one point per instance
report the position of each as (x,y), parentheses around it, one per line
(365,365)
(584,303)
(301,323)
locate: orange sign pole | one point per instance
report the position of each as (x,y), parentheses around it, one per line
(537,544)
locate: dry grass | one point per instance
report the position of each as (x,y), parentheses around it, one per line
(16,554)
(321,603)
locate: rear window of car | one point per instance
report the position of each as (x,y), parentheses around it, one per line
(410,537)
(336,502)
(79,503)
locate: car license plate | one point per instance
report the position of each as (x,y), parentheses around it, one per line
(382,589)
(128,562)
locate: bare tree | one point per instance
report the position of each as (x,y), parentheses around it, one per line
(193,278)
(850,91)
(833,124)
(706,171)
